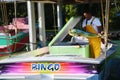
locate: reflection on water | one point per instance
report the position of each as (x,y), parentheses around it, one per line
(114,72)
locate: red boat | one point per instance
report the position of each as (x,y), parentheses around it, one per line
(16,37)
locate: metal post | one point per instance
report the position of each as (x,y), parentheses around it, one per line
(41,19)
(59,15)
(31,21)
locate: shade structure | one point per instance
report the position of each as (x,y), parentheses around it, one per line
(70,1)
(57,1)
(12,0)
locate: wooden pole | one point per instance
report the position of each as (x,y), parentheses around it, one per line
(106,25)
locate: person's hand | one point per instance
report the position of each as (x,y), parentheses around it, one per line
(99,35)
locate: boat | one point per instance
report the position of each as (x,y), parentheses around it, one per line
(59,60)
(11,41)
(77,62)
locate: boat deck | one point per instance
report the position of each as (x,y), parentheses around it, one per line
(113,66)
(37,55)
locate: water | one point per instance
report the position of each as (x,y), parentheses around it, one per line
(113,65)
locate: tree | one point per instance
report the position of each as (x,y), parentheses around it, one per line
(21,11)
(69,10)
(114,15)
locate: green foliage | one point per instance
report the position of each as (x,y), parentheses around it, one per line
(69,11)
(114,17)
(21,11)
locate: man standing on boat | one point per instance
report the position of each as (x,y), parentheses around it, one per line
(93,25)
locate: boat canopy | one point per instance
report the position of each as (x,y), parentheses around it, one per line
(70,1)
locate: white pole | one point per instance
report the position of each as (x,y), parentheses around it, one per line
(41,20)
(59,14)
(31,21)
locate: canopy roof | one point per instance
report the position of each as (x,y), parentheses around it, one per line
(12,0)
(71,1)
(63,1)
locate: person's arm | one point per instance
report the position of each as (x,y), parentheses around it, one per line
(84,25)
(84,28)
(98,25)
(99,29)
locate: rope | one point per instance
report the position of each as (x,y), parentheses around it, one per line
(27,43)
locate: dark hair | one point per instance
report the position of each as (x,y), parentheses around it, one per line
(87,11)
